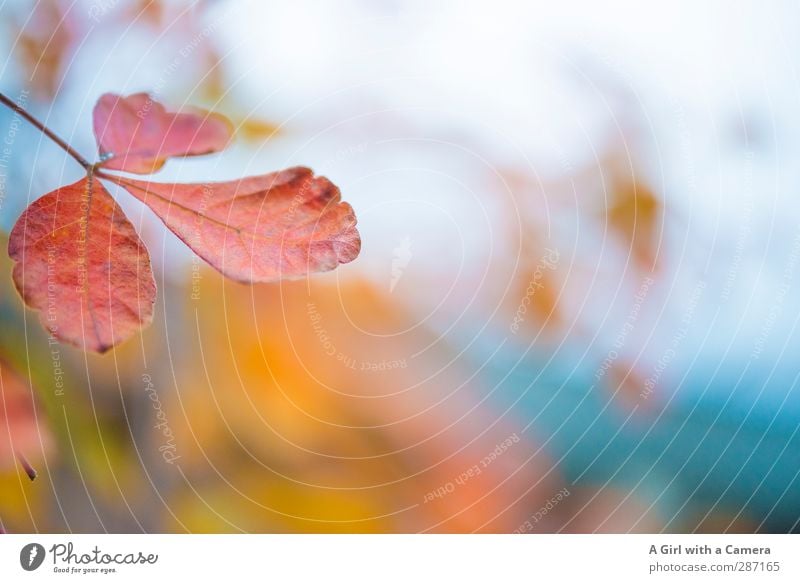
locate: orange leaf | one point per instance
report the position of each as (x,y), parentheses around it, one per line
(45,43)
(635,214)
(258,229)
(80,262)
(139,135)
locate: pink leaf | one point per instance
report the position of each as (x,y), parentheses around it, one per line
(139,135)
(258,229)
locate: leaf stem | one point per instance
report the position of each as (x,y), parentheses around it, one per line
(46,131)
(26,466)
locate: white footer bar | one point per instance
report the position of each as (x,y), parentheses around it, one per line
(382,558)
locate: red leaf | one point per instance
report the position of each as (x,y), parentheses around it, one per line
(80,262)
(258,229)
(141,134)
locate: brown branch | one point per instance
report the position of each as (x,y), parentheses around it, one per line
(46,131)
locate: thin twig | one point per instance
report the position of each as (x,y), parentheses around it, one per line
(45,130)
(26,466)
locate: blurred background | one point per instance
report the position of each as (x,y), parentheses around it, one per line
(575,308)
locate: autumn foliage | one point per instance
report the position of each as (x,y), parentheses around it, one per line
(80,262)
(21,433)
